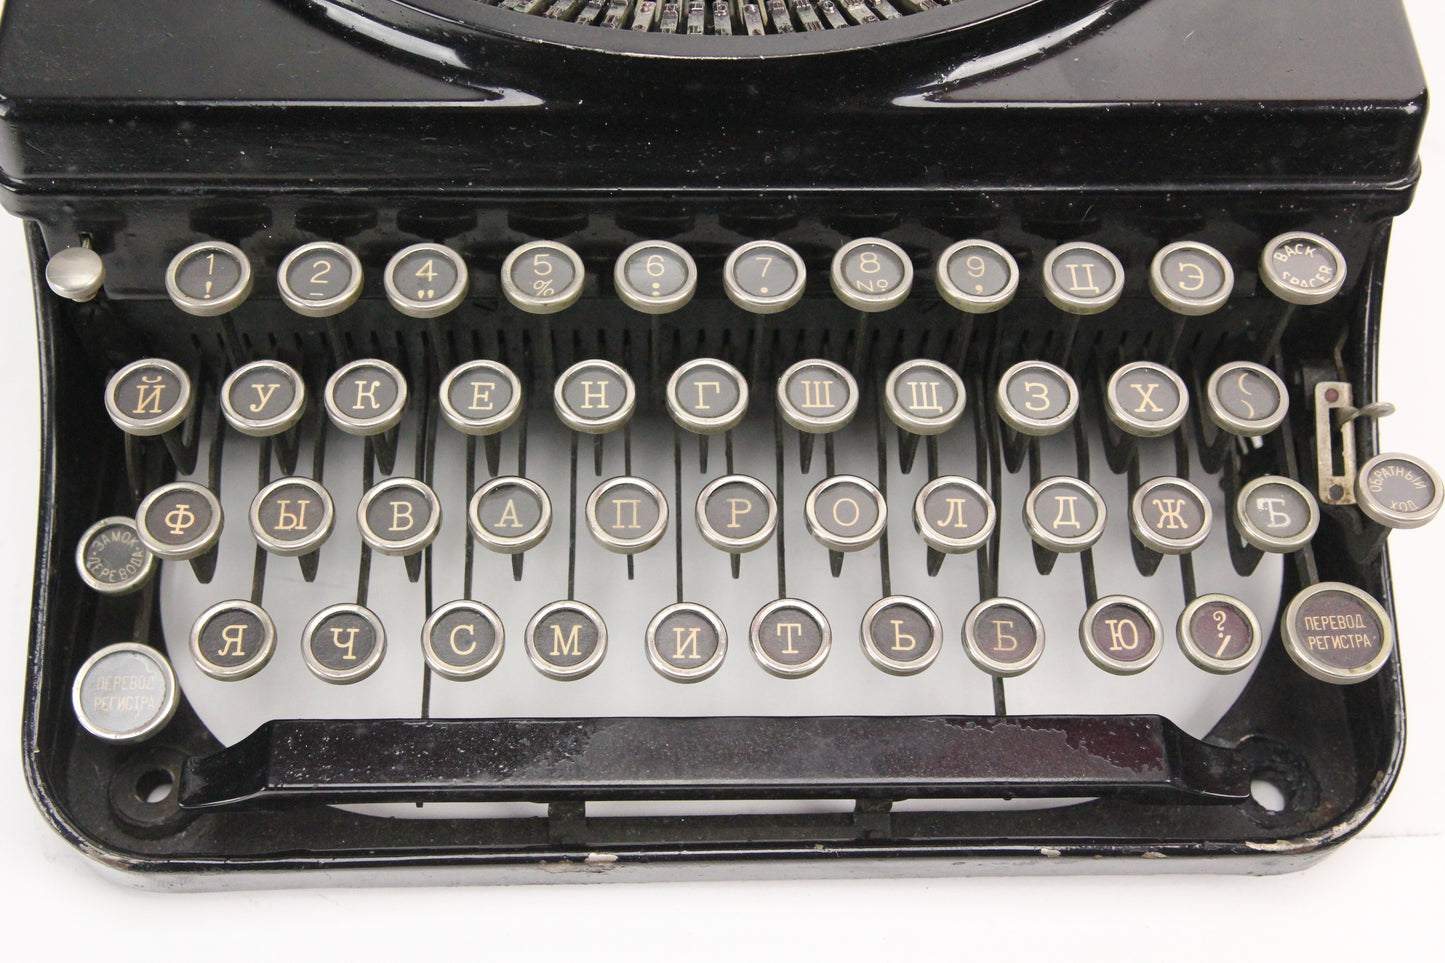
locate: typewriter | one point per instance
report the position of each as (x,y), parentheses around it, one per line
(487,439)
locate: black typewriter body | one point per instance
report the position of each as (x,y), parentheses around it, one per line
(378,125)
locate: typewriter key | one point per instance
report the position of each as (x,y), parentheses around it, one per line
(1036,398)
(952,514)
(1170,515)
(1398,491)
(264,399)
(232,640)
(977,277)
(1219,633)
(594,397)
(182,521)
(1082,278)
(871,274)
(112,559)
(655,277)
(400,516)
(1064,514)
(686,642)
(481,398)
(292,517)
(148,397)
(510,515)
(790,638)
(209,279)
(124,693)
(764,277)
(1003,637)
(737,513)
(816,397)
(366,397)
(1246,399)
(1191,278)
(901,635)
(543,277)
(1337,633)
(627,515)
(462,640)
(76,274)
(1146,400)
(707,396)
(1120,635)
(1302,268)
(426,280)
(845,513)
(566,640)
(1276,514)
(343,643)
(320,280)
(924,397)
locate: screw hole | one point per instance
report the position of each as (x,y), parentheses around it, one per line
(1268,795)
(154,786)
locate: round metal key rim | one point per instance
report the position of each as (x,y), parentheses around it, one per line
(1075,543)
(376,424)
(321,307)
(434,307)
(462,673)
(818,424)
(784,670)
(361,670)
(1302,296)
(1243,427)
(1025,423)
(972,303)
(700,424)
(1073,304)
(896,666)
(728,543)
(1262,540)
(698,672)
(1178,303)
(173,417)
(210,307)
(570,672)
(918,424)
(1163,543)
(861,300)
(640,301)
(1105,662)
(264,427)
(1125,421)
(1389,517)
(157,722)
(986,662)
(413,543)
(531,303)
(75,273)
(193,548)
(1327,673)
(510,544)
(627,546)
(845,543)
(492,424)
(949,544)
(251,666)
(309,542)
(133,584)
(764,303)
(606,423)
(1196,654)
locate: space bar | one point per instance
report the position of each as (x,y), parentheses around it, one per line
(321,761)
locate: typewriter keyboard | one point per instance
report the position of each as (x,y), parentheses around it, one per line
(771,524)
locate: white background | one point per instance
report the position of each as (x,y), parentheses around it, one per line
(1377,895)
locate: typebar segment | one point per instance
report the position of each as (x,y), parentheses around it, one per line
(314,762)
